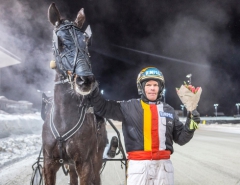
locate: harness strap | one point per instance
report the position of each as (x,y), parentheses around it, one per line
(67,135)
(57,54)
(61,81)
(61,161)
(72,31)
(73,34)
(75,61)
(71,132)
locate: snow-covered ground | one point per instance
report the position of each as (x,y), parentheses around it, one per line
(11,124)
(15,148)
(20,136)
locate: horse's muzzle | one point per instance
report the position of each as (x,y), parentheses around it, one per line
(85,80)
(84,84)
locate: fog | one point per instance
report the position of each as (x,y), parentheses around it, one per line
(25,33)
(177,37)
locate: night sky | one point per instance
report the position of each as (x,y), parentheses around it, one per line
(178,37)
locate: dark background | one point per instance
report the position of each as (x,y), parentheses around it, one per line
(178,37)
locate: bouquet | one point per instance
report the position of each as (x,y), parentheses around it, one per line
(189,95)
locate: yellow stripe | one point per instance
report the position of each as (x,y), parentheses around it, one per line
(147,127)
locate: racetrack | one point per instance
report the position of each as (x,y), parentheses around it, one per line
(211,158)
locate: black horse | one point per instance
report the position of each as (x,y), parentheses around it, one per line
(72,134)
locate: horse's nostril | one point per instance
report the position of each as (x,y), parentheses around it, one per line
(85,80)
(80,80)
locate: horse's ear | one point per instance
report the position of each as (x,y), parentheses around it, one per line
(53,14)
(80,18)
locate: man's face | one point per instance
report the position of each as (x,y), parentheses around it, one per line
(151,90)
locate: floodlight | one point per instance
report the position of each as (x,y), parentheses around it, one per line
(189,76)
(215,105)
(238,104)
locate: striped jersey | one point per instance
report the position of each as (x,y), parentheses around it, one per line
(146,127)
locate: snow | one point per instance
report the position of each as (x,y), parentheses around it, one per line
(20,124)
(20,136)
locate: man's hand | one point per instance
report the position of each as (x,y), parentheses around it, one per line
(195,116)
(95,90)
(193,119)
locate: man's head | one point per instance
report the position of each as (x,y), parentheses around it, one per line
(150,84)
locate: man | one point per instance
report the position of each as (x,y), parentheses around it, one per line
(149,128)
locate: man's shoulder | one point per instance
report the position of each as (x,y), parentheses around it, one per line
(168,107)
(131,101)
(132,104)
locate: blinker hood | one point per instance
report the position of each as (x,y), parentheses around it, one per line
(71,51)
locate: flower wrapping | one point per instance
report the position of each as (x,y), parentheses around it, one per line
(189,96)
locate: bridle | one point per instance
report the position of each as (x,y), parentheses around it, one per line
(81,64)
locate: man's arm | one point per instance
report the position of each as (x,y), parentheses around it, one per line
(108,109)
(184,133)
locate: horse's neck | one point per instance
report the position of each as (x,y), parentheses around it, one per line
(66,108)
(65,103)
(64,98)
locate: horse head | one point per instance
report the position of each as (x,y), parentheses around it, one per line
(70,49)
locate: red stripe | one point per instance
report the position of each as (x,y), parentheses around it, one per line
(149,155)
(154,131)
